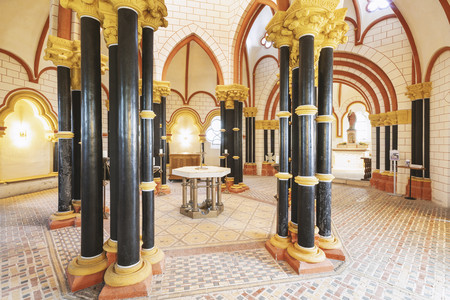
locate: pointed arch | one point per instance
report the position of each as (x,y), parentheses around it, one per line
(203,39)
(40,103)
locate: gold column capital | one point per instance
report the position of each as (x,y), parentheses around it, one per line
(419,91)
(396,117)
(160,89)
(109,22)
(293,58)
(305,17)
(104,64)
(138,5)
(267,124)
(231,93)
(83,8)
(277,33)
(154,15)
(60,51)
(250,111)
(335,31)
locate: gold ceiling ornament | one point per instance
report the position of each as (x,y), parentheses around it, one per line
(153,15)
(60,51)
(109,22)
(277,33)
(419,91)
(305,17)
(335,31)
(250,112)
(83,8)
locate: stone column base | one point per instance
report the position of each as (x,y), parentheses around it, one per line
(375,177)
(302,267)
(336,254)
(76,205)
(110,247)
(250,169)
(165,189)
(389,179)
(156,258)
(62,219)
(267,169)
(141,289)
(277,246)
(158,187)
(420,189)
(236,188)
(83,273)
(243,186)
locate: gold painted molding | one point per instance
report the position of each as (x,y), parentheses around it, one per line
(267,124)
(284,114)
(305,110)
(325,119)
(147,186)
(280,242)
(80,266)
(391,118)
(147,114)
(306,180)
(283,176)
(64,135)
(117,276)
(325,177)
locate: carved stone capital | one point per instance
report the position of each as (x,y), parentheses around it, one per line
(104,64)
(109,22)
(250,111)
(60,51)
(154,15)
(160,89)
(277,33)
(335,31)
(83,7)
(419,91)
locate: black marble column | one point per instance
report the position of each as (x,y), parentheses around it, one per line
(229,140)
(91,140)
(128,248)
(64,143)
(113,118)
(222,136)
(157,132)
(283,182)
(240,146)
(163,143)
(295,148)
(378,148)
(247,140)
(76,147)
(272,143)
(236,151)
(306,163)
(417,136)
(426,137)
(253,152)
(266,145)
(148,196)
(324,127)
(387,148)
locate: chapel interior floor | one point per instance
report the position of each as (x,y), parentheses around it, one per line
(396,249)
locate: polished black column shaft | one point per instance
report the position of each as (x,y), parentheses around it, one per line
(272,142)
(325,108)
(387,147)
(306,163)
(157,133)
(222,135)
(378,148)
(91,140)
(417,136)
(229,140)
(247,139)
(253,121)
(163,141)
(148,197)
(241,159)
(113,146)
(295,147)
(128,247)
(236,143)
(283,184)
(76,147)
(266,143)
(426,137)
(64,144)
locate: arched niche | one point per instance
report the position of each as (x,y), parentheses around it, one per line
(27,125)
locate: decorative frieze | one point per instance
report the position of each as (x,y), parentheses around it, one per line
(419,91)
(267,124)
(391,118)
(250,112)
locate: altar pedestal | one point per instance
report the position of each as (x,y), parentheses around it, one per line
(347,163)
(212,206)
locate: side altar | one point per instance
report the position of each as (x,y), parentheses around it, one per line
(212,206)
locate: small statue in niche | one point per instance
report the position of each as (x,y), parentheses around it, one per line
(351,132)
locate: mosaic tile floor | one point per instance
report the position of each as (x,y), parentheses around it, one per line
(396,249)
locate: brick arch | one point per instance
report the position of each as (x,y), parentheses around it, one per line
(203,39)
(242,30)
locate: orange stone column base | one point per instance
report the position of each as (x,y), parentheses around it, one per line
(302,267)
(229,181)
(77,283)
(158,185)
(112,258)
(381,184)
(236,188)
(78,221)
(56,224)
(389,187)
(249,169)
(141,289)
(420,189)
(375,177)
(267,169)
(426,190)
(277,253)
(158,268)
(165,189)
(336,254)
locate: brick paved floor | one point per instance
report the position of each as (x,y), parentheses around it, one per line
(396,249)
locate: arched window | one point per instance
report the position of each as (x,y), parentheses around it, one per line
(213,133)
